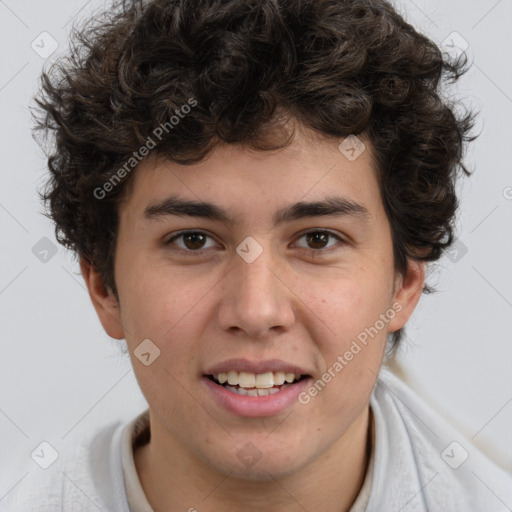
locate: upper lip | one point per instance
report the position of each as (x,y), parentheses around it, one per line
(244,365)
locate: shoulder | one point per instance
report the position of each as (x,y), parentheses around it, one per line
(425,462)
(86,476)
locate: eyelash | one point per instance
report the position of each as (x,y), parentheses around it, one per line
(314,252)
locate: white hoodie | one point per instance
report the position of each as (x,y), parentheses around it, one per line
(419,463)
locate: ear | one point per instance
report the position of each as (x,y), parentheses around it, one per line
(104,302)
(407,293)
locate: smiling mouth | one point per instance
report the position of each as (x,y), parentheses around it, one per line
(255,384)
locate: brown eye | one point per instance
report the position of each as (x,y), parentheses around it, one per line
(194,240)
(318,240)
(191,241)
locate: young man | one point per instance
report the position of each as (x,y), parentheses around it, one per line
(254,188)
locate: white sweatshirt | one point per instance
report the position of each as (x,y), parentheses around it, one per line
(419,463)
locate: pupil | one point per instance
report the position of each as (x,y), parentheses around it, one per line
(317,238)
(196,239)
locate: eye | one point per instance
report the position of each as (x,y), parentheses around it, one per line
(318,240)
(192,241)
(195,241)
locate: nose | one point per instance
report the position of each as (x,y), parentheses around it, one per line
(256,300)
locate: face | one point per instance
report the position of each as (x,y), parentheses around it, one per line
(253,289)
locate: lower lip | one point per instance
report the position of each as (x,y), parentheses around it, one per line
(256,406)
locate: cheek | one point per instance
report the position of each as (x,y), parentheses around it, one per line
(167,315)
(349,353)
(172,310)
(346,303)
(161,303)
(350,336)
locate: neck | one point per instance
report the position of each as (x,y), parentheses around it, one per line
(330,483)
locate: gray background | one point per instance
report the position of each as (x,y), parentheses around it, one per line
(61,375)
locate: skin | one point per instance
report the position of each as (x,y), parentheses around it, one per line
(291,303)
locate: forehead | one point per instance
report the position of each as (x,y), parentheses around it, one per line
(309,169)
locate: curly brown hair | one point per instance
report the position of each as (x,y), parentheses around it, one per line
(339,67)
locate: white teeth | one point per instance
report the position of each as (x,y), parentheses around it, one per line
(233,378)
(264,380)
(253,392)
(259,381)
(247,380)
(279,378)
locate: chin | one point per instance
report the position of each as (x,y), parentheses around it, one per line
(248,463)
(259,472)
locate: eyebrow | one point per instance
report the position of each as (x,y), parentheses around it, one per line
(337,206)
